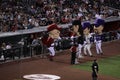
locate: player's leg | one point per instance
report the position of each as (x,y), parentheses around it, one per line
(79,55)
(100,48)
(89,51)
(85,49)
(97,48)
(52,53)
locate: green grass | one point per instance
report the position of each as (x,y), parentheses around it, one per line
(108,66)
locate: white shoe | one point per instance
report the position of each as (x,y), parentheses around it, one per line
(2,57)
(76,62)
(80,56)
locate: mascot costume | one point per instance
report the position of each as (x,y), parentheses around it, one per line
(53,34)
(77,37)
(98,38)
(88,39)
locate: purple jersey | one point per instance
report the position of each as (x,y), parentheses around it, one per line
(98,37)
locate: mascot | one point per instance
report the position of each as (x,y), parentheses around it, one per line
(87,38)
(77,37)
(98,27)
(53,34)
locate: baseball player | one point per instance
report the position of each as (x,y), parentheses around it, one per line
(77,36)
(48,41)
(88,38)
(98,27)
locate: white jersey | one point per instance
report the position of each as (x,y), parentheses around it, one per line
(87,38)
(87,44)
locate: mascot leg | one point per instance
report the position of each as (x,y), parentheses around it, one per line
(52,53)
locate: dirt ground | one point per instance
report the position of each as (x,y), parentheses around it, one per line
(15,70)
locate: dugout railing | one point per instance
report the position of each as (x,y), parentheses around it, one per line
(28,50)
(24,51)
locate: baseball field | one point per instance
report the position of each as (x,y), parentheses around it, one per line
(108,65)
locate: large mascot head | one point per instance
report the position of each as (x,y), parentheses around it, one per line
(53,31)
(99,25)
(77,28)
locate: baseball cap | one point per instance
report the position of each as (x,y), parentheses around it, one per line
(52,27)
(99,22)
(86,25)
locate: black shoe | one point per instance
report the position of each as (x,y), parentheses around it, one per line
(51,59)
(101,53)
(91,55)
(85,54)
